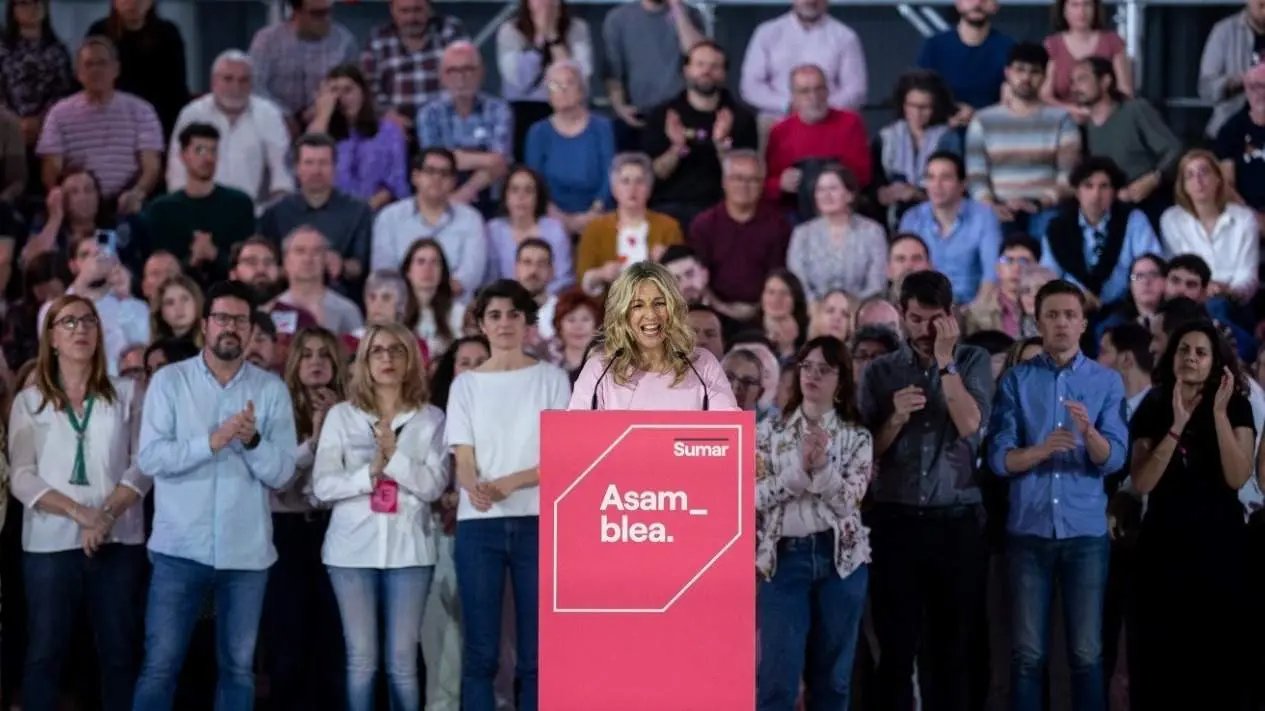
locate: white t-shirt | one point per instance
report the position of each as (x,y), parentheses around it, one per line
(504,431)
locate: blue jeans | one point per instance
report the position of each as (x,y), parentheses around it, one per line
(400,594)
(57,585)
(1079,566)
(809,618)
(485,550)
(177,591)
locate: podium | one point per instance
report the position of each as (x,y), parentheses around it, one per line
(647,561)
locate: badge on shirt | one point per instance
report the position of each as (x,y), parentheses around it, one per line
(287,322)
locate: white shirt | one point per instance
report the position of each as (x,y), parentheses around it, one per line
(504,431)
(632,244)
(42,455)
(428,329)
(124,322)
(1232,251)
(253,149)
(460,233)
(357,536)
(338,313)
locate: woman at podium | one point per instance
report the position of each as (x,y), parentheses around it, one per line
(648,360)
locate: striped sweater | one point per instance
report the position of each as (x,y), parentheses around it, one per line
(1010,156)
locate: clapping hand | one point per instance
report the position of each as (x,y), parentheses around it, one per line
(1059,441)
(814,446)
(1080,415)
(246,427)
(1181,414)
(385,437)
(1224,390)
(723,125)
(322,400)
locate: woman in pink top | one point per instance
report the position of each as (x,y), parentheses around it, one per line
(648,360)
(1080,31)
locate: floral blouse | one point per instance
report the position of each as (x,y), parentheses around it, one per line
(833,495)
(34,74)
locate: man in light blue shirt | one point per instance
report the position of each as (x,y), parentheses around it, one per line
(216,434)
(1058,428)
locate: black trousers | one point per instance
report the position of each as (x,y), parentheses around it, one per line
(927,584)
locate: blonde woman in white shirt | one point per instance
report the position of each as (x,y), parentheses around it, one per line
(1207,222)
(381,462)
(72,444)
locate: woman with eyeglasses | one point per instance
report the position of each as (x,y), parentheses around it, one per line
(813,466)
(73,445)
(496,442)
(1146,291)
(380,462)
(745,374)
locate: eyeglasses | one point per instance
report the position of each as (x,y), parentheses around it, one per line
(746,383)
(821,370)
(557,87)
(465,71)
(74,323)
(395,351)
(223,320)
(1010,261)
(1144,276)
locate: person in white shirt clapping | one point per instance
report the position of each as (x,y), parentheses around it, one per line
(381,462)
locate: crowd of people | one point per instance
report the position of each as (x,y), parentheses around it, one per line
(278,351)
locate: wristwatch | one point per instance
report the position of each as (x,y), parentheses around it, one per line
(950,369)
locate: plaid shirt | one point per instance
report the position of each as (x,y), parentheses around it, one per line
(406,80)
(489,127)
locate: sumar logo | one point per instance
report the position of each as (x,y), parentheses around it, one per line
(700,447)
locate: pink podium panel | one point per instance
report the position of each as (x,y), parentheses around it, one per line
(647,561)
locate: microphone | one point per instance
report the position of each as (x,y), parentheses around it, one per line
(702,382)
(619,352)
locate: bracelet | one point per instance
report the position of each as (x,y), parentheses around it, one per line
(1177,437)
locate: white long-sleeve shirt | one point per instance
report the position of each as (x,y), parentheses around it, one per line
(359,537)
(1232,250)
(784,43)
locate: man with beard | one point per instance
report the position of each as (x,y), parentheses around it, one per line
(533,269)
(262,351)
(411,45)
(1019,152)
(200,223)
(216,434)
(255,263)
(971,57)
(688,135)
(694,281)
(254,141)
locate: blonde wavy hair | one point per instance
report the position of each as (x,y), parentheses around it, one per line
(620,345)
(414,391)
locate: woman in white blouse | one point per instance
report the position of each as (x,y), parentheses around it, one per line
(380,461)
(839,249)
(1206,222)
(432,311)
(303,641)
(72,444)
(496,442)
(813,466)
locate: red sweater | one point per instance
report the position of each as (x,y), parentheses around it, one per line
(841,135)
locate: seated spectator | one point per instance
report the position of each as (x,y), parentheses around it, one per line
(998,309)
(877,311)
(176,310)
(746,375)
(962,235)
(291,58)
(255,263)
(303,253)
(689,134)
(870,342)
(345,221)
(44,278)
(1188,276)
(13,168)
(261,352)
(114,134)
(386,301)
(902,148)
(1229,52)
(201,222)
(694,281)
(76,211)
(1092,241)
(372,154)
(839,249)
(709,333)
(971,57)
(572,150)
(1019,152)
(832,315)
(37,66)
(166,352)
(1240,145)
(783,313)
(813,130)
(576,317)
(1146,291)
(741,239)
(906,253)
(132,362)
(254,140)
(160,267)
(434,214)
(534,270)
(807,35)
(523,211)
(433,311)
(124,319)
(1128,131)
(477,127)
(629,234)
(152,62)
(1206,221)
(529,43)
(1081,31)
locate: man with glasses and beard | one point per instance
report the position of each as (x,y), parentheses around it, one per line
(689,134)
(255,263)
(216,432)
(970,57)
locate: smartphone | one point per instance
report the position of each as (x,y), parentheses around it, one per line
(107,242)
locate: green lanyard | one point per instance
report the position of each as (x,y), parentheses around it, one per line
(80,475)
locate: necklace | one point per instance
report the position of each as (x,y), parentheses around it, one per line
(79,476)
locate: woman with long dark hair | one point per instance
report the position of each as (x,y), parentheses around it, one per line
(372,152)
(35,68)
(814,464)
(924,106)
(431,311)
(783,313)
(73,445)
(151,57)
(1193,437)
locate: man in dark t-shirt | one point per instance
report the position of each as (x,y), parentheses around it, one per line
(1241,142)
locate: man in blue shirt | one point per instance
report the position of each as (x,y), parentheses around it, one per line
(971,57)
(216,434)
(1058,427)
